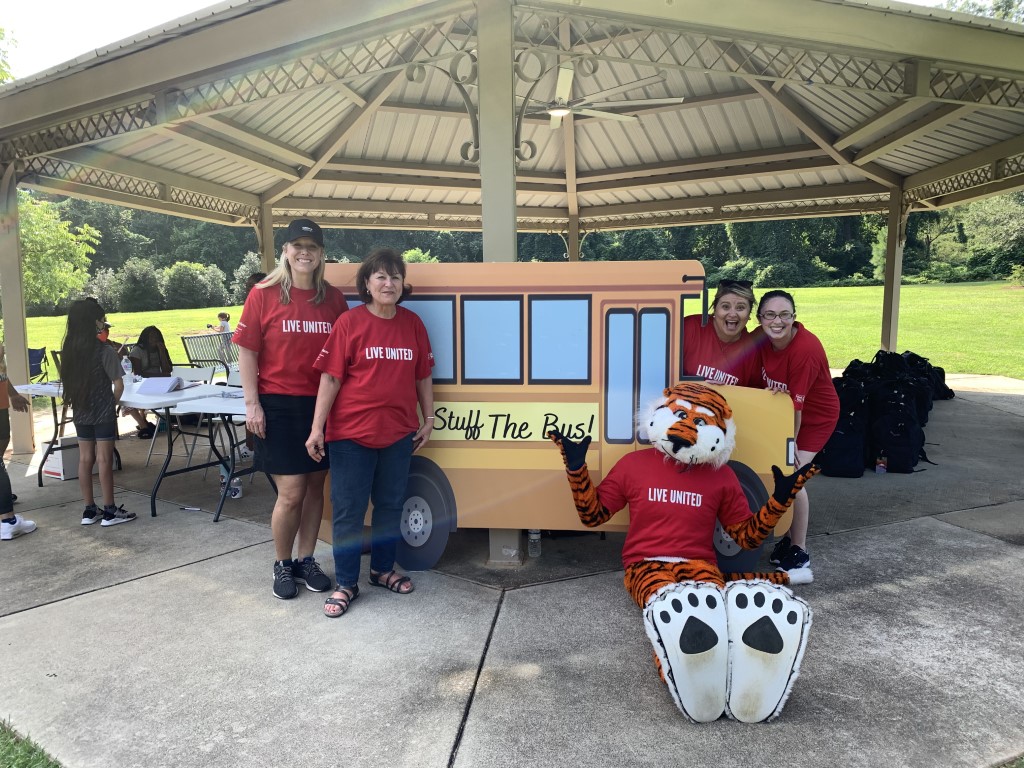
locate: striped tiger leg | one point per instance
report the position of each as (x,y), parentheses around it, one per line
(644,579)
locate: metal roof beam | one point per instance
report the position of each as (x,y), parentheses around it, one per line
(101,195)
(349,124)
(840,191)
(879,122)
(428,169)
(105,161)
(727,160)
(255,140)
(983,157)
(711,174)
(386,207)
(944,115)
(212,143)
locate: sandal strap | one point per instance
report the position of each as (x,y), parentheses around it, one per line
(388,581)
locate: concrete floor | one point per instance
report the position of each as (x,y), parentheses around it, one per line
(158,643)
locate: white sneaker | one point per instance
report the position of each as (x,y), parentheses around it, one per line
(19,527)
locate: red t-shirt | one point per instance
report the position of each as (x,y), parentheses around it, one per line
(801,369)
(704,354)
(378,362)
(287,337)
(672,508)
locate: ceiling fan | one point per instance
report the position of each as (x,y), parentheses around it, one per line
(563,103)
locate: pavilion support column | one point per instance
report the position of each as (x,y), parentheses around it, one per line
(497,129)
(572,238)
(13,299)
(896,236)
(264,226)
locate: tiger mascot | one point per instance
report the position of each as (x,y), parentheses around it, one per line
(734,649)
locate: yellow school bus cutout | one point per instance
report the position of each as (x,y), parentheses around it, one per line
(522,347)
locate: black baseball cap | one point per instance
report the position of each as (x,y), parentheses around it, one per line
(304,228)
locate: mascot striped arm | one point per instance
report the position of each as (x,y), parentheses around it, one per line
(727,644)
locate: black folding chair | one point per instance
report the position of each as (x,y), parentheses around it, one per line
(38,365)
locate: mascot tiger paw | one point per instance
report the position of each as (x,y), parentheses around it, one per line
(735,651)
(732,649)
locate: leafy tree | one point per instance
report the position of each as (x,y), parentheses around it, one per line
(708,244)
(5,64)
(1007,10)
(646,244)
(55,257)
(841,242)
(105,287)
(119,242)
(187,285)
(251,264)
(781,252)
(418,256)
(140,286)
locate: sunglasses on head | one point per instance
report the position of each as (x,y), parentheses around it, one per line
(726,284)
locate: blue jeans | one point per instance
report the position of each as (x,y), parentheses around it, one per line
(360,475)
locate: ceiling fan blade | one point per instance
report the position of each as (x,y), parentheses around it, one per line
(607,115)
(635,103)
(563,88)
(555,122)
(593,97)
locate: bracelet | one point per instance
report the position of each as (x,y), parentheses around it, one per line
(428,418)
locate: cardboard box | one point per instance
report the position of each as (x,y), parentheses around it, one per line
(63,464)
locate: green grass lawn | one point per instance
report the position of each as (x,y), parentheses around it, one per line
(963,327)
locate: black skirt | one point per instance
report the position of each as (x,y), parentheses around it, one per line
(283,451)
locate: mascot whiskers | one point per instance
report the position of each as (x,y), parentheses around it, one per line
(727,644)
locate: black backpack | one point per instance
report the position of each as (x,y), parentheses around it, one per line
(897,438)
(845,453)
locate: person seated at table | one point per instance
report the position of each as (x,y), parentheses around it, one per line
(149,358)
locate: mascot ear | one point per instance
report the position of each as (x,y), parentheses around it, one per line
(666,392)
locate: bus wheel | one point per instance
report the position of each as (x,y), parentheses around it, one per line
(732,559)
(428,515)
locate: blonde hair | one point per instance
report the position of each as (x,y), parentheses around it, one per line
(282,275)
(741,288)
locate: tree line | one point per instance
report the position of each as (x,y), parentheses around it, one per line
(139,260)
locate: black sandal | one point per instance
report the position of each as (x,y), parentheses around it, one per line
(349,596)
(394,585)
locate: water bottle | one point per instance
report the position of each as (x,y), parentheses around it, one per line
(126,366)
(533,542)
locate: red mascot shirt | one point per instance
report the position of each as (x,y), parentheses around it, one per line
(672,507)
(801,369)
(287,337)
(378,362)
(707,356)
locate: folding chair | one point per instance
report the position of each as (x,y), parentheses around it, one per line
(38,366)
(185,373)
(230,440)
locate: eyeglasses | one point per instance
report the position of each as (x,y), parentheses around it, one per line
(783,316)
(726,284)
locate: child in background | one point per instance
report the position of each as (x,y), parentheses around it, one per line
(223,324)
(92,384)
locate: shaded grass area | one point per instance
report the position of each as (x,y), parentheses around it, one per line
(16,752)
(963,327)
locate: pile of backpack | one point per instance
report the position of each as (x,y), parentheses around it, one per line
(883,408)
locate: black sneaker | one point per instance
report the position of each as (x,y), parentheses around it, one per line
(284,583)
(797,563)
(90,515)
(781,550)
(114,515)
(307,571)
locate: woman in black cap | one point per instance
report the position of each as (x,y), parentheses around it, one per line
(286,320)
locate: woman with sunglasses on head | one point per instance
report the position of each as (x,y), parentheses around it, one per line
(722,351)
(793,361)
(286,319)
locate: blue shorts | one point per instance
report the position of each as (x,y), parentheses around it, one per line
(96,433)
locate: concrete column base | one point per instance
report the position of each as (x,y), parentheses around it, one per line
(507,548)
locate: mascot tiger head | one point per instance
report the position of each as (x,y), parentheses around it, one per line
(691,424)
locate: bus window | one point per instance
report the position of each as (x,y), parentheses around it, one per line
(560,340)
(620,376)
(492,340)
(438,315)
(653,354)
